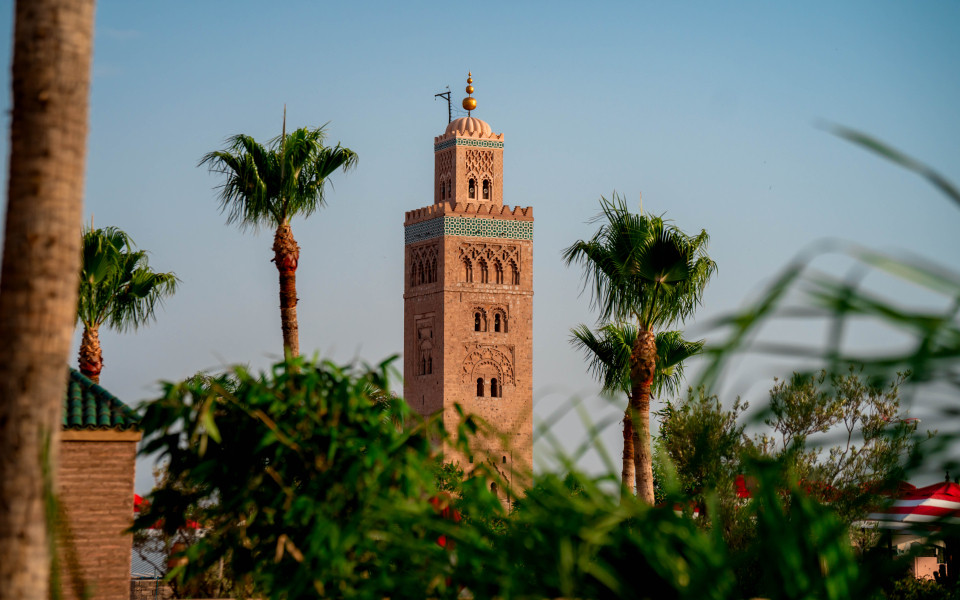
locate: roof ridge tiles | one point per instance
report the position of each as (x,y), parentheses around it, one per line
(87,405)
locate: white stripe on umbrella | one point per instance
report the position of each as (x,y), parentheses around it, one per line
(938,503)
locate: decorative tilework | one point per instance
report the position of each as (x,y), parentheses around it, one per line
(472,227)
(86,405)
(466,142)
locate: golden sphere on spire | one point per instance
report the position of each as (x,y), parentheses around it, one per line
(469,103)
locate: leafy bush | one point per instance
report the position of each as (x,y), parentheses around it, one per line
(911,588)
(316,491)
(307,487)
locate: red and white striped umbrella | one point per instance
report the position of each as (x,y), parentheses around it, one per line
(927,506)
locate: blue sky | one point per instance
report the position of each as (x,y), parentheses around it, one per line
(709,109)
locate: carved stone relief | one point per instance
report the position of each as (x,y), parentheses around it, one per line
(483,356)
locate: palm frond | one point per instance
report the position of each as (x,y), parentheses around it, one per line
(642,267)
(672,353)
(117,286)
(268,185)
(608,356)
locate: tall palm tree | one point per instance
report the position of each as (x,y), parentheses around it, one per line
(50,76)
(117,287)
(642,270)
(268,186)
(608,356)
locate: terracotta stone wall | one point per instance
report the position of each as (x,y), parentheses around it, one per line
(444,352)
(149,589)
(440,320)
(96,477)
(456,164)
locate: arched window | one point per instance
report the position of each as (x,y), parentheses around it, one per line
(467,270)
(429,365)
(498,271)
(423,366)
(496,322)
(493,488)
(472,188)
(486,189)
(515,273)
(476,321)
(504,460)
(433,271)
(479,387)
(443,190)
(484,274)
(449,189)
(494,388)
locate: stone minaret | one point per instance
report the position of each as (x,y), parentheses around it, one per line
(468,299)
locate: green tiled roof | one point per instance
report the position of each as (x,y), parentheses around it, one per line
(86,405)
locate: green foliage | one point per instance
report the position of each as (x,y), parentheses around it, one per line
(117,285)
(569,538)
(806,415)
(608,356)
(315,493)
(899,158)
(703,442)
(305,490)
(267,185)
(820,562)
(644,274)
(449,477)
(911,588)
(641,267)
(705,448)
(875,438)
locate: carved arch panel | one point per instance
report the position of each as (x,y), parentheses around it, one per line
(486,359)
(423,264)
(502,261)
(444,175)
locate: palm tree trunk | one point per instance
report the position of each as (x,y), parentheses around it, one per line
(643,362)
(91,355)
(628,471)
(53,42)
(286,255)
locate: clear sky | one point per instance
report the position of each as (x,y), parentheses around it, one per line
(709,109)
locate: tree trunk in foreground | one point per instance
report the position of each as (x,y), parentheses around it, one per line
(91,355)
(643,362)
(286,255)
(628,472)
(53,42)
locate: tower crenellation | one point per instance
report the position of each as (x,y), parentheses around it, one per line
(468,297)
(468,208)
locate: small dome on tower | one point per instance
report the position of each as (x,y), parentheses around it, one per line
(470,125)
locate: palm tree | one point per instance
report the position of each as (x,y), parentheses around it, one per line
(642,270)
(268,187)
(608,357)
(50,76)
(117,287)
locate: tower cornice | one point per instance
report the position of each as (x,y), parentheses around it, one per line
(468,209)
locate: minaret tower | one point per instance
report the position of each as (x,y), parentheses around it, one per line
(468,298)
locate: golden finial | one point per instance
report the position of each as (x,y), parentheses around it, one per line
(469,103)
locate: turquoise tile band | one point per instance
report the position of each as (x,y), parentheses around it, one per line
(468,227)
(466,142)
